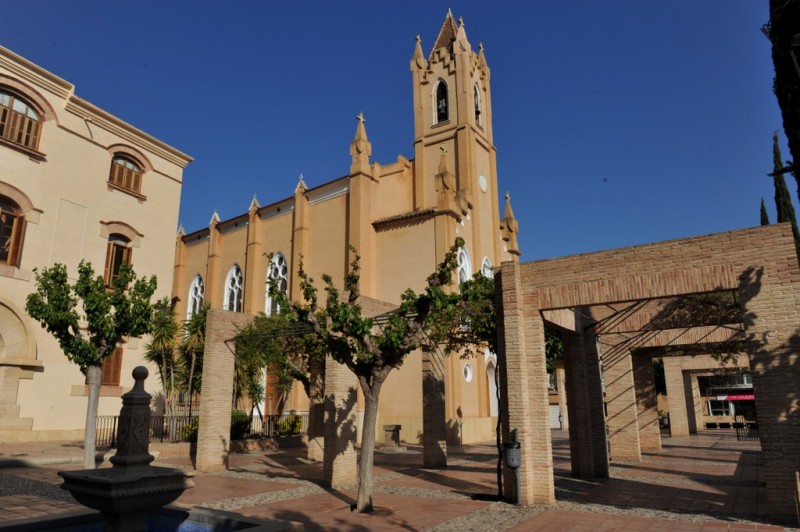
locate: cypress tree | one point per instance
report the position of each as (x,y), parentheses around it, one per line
(783,201)
(764,215)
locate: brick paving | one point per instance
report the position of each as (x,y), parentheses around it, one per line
(699,483)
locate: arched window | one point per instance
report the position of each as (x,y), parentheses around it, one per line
(476,94)
(197,294)
(486,268)
(234,289)
(442,113)
(126,173)
(118,252)
(490,378)
(278,273)
(19,121)
(464,265)
(12,225)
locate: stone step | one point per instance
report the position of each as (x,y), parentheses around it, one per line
(15,423)
(9,411)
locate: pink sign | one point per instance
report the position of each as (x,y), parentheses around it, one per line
(741,397)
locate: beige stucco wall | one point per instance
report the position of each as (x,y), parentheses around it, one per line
(72,203)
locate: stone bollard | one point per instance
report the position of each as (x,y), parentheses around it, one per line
(392,436)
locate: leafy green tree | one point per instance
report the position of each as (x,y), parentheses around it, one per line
(161,349)
(442,317)
(89,320)
(783,201)
(553,348)
(764,215)
(269,342)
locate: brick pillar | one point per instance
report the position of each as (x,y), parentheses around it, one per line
(694,402)
(524,385)
(587,427)
(213,438)
(623,427)
(561,384)
(678,416)
(770,298)
(339,466)
(646,403)
(434,425)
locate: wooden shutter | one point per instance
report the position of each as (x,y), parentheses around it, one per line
(112,367)
(17,236)
(109,258)
(4,114)
(127,256)
(15,120)
(33,141)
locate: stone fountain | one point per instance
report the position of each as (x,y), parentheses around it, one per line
(131,489)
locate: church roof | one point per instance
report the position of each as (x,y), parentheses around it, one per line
(447,34)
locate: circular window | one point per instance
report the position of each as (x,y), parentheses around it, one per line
(468,372)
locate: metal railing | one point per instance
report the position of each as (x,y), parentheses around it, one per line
(746,429)
(278,426)
(174,429)
(170,429)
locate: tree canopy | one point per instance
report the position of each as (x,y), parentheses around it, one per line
(442,318)
(89,320)
(109,313)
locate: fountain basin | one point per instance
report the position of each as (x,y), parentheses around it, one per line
(126,496)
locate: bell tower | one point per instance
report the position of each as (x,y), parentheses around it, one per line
(453,129)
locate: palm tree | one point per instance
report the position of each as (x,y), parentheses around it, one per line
(160,350)
(192,349)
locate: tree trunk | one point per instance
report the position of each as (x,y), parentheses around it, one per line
(93,375)
(191,391)
(365,480)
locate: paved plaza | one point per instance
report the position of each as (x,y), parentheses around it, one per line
(704,482)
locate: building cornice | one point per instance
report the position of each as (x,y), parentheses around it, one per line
(91,113)
(35,74)
(410,218)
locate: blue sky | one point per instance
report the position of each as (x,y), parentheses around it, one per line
(617,123)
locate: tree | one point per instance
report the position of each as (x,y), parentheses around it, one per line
(783,201)
(783,30)
(160,350)
(269,342)
(191,349)
(440,318)
(89,320)
(764,215)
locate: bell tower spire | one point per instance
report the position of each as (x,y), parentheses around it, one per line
(453,110)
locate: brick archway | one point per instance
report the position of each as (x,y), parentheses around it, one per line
(759,263)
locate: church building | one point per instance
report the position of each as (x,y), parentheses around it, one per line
(401,216)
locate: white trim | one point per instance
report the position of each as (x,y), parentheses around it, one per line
(325,193)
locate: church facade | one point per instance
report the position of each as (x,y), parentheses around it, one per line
(401,217)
